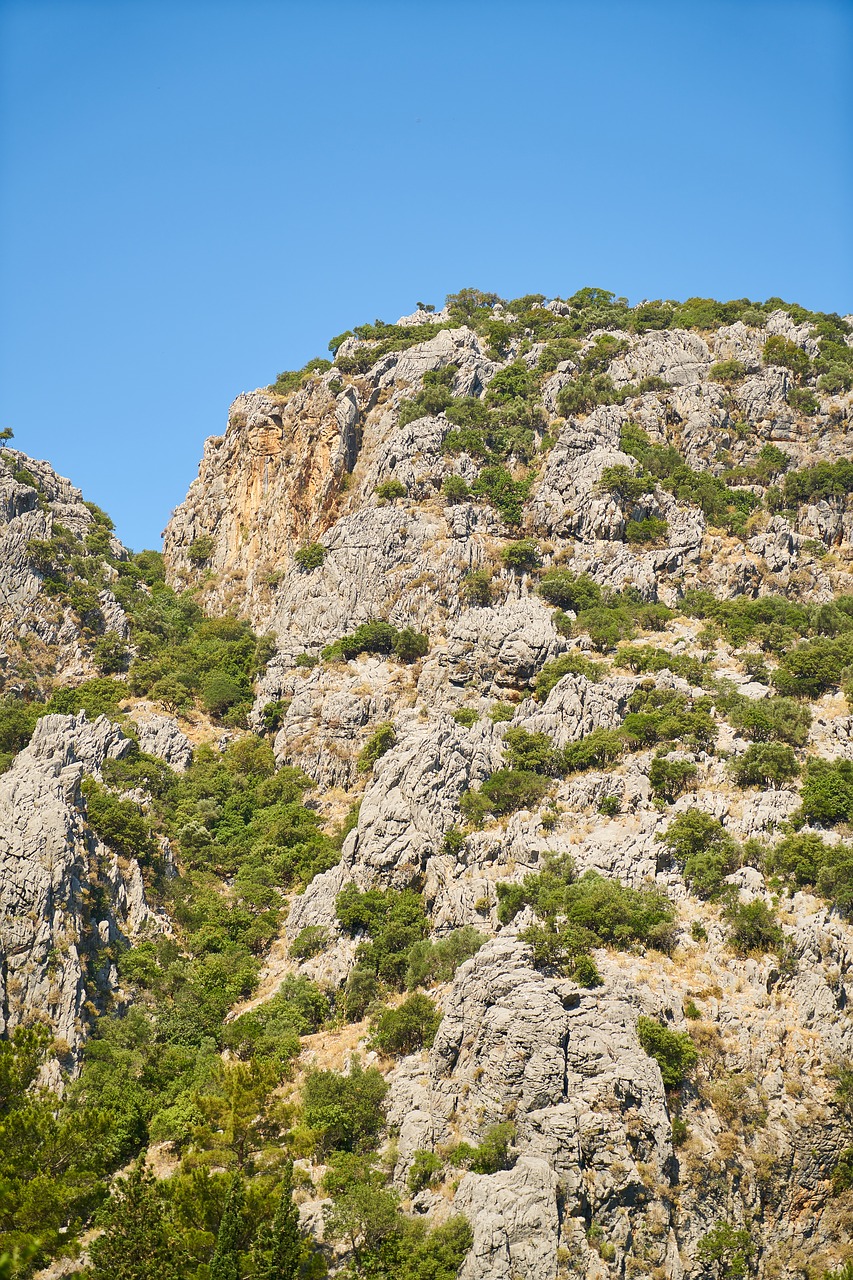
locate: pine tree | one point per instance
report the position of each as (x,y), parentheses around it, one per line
(277,1249)
(224,1265)
(136,1244)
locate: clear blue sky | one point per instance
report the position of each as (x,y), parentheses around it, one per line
(194,196)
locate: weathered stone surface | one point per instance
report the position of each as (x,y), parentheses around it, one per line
(160,736)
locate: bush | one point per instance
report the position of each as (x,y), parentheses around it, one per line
(466,716)
(753,929)
(476,588)
(649,530)
(424,1171)
(220,692)
(494,1154)
(705,852)
(381,740)
(345,1111)
(727,371)
(455,489)
(771,719)
(505,792)
(120,824)
(803,400)
(310,557)
(521,556)
(393,921)
(410,645)
(532,752)
(409,1027)
(764,764)
(497,486)
(567,590)
(309,942)
(111,653)
(674,1051)
(827,792)
(378,637)
(438,961)
(781,351)
(573,663)
(669,778)
(200,549)
(391,489)
(625,484)
(594,751)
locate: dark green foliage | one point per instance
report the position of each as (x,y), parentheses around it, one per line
(310,557)
(650,529)
(825,480)
(270,1031)
(120,824)
(231,1237)
(344,1111)
(393,921)
(391,489)
(588,390)
(309,942)
(381,740)
(609,806)
(497,486)
(476,588)
(521,556)
(424,1171)
(200,549)
(781,351)
(606,616)
(466,716)
(753,929)
(702,848)
(594,751)
(842,1174)
(111,653)
(727,371)
(274,712)
(807,860)
(438,961)
(665,716)
(803,400)
(503,793)
(674,1051)
(292,379)
(494,1151)
(97,697)
(277,1249)
(573,663)
(138,1242)
(408,1027)
(213,658)
(17,721)
(532,752)
(669,778)
(770,719)
(434,397)
(721,506)
(727,1252)
(827,792)
(455,489)
(625,484)
(764,764)
(378,637)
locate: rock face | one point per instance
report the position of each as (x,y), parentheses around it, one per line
(56,944)
(605,1171)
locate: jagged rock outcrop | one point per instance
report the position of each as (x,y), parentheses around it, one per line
(65,899)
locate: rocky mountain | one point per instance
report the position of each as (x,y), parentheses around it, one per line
(478,764)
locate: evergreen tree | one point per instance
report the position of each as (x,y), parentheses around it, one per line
(277,1249)
(137,1243)
(224,1265)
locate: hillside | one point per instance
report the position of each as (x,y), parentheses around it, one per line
(461,808)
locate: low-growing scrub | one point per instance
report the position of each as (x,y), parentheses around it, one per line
(378,637)
(674,1051)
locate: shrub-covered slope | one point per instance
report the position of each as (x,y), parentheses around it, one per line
(485,777)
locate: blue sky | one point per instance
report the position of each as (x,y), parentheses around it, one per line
(194,196)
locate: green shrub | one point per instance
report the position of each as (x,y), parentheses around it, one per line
(455,489)
(97,697)
(409,1027)
(111,653)
(728,1250)
(827,792)
(569,590)
(771,719)
(825,480)
(291,379)
(532,752)
(344,1111)
(594,751)
(521,556)
(393,922)
(221,692)
(573,663)
(753,929)
(609,806)
(424,1171)
(625,484)
(434,397)
(381,740)
(466,716)
(309,942)
(310,557)
(507,495)
(781,351)
(674,1051)
(727,371)
(388,490)
(476,588)
(378,637)
(410,645)
(120,824)
(764,764)
(501,712)
(704,851)
(651,529)
(438,961)
(669,778)
(803,400)
(494,1153)
(200,549)
(505,792)
(585,973)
